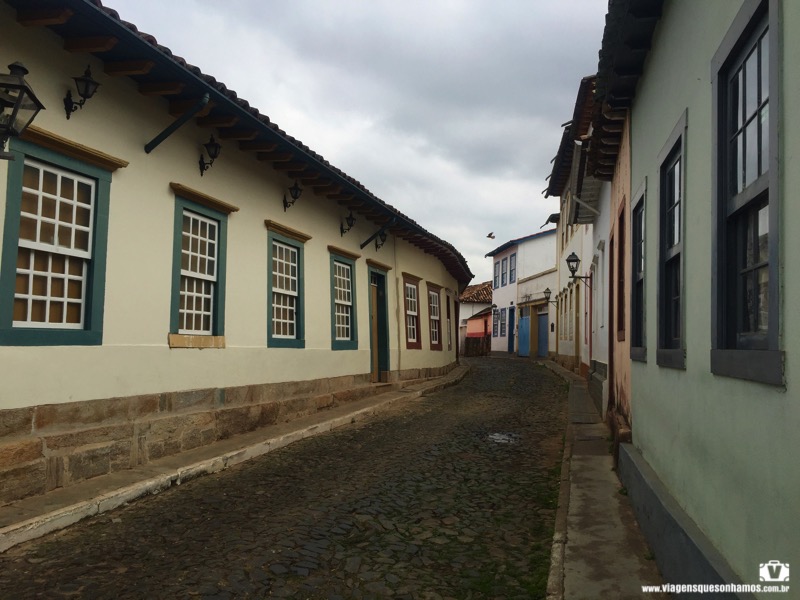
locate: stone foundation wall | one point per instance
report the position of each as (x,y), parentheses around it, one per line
(56,445)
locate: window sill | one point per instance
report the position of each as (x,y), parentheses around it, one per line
(344,345)
(639,354)
(49,337)
(763,366)
(286,343)
(182,340)
(671,358)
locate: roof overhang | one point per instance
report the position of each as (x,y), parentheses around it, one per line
(88,27)
(626,42)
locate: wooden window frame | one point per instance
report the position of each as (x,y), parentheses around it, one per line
(759,360)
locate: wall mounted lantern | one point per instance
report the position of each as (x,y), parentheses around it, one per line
(547,294)
(18,105)
(573,262)
(213,148)
(294,192)
(350,220)
(380,240)
(86,88)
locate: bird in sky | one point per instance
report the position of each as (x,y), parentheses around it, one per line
(491,235)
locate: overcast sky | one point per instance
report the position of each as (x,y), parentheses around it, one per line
(449,110)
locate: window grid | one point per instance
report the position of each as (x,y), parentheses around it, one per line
(748,139)
(411,312)
(497,274)
(284,290)
(502,322)
(344,300)
(433,304)
(504,273)
(55,241)
(199,241)
(671,247)
(512,269)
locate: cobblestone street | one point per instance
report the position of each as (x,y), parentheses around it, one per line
(452,495)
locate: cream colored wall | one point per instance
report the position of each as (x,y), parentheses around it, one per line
(725,448)
(407,258)
(134,357)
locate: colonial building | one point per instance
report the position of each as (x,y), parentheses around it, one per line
(150,302)
(519,259)
(581,295)
(708,89)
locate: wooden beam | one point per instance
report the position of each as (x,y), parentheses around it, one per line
(100,43)
(218,121)
(308,178)
(274,155)
(178,108)
(128,67)
(257,146)
(290,166)
(340,196)
(238,134)
(44,16)
(161,88)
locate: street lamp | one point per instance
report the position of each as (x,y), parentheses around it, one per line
(573,262)
(547,293)
(18,105)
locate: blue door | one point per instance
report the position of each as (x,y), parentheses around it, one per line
(524,336)
(511,329)
(543,335)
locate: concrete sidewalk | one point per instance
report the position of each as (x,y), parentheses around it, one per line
(36,516)
(598,549)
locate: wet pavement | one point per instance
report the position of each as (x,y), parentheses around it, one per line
(451,495)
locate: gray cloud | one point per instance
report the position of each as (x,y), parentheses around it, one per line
(449,110)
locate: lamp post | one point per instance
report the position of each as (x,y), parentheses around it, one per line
(547,293)
(18,105)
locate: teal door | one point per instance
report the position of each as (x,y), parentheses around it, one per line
(524,336)
(542,348)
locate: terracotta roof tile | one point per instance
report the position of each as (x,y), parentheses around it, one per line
(478,293)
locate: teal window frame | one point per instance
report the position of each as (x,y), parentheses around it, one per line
(218,314)
(92,332)
(352,343)
(299,340)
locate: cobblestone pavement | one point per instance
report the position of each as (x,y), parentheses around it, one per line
(449,496)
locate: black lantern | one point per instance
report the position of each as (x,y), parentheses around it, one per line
(382,238)
(18,105)
(295,191)
(573,262)
(547,293)
(213,148)
(86,87)
(351,220)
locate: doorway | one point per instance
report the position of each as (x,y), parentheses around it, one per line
(378,327)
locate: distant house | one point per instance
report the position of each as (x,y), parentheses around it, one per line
(478,334)
(151,303)
(475,299)
(531,256)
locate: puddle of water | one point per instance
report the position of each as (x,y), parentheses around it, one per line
(503,438)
